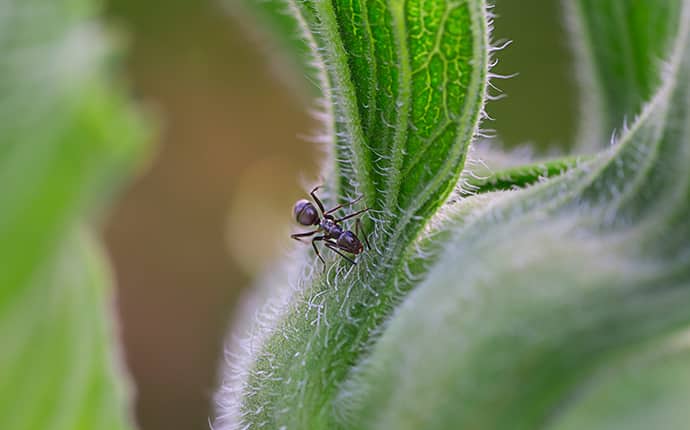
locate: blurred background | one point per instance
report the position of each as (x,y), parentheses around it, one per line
(212,208)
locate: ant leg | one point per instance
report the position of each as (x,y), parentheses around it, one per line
(357,225)
(316,199)
(330,211)
(297,236)
(316,250)
(334,247)
(351,215)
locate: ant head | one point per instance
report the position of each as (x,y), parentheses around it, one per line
(305,213)
(350,243)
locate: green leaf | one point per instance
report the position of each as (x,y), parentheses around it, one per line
(535,303)
(58,366)
(67,138)
(620,46)
(405,85)
(484,179)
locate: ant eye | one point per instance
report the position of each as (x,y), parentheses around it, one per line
(305,213)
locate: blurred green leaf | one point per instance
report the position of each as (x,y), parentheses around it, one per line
(649,390)
(59,370)
(67,139)
(620,47)
(66,136)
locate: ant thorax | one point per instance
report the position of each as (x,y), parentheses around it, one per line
(331,228)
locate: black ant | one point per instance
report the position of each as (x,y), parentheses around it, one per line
(334,236)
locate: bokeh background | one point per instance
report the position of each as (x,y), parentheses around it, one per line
(211,210)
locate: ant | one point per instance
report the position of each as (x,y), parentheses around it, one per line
(334,236)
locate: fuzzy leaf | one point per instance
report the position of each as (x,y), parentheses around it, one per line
(405,82)
(405,85)
(541,298)
(483,179)
(66,138)
(620,47)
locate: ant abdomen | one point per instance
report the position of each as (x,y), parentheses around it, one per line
(349,242)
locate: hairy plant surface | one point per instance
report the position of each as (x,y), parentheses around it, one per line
(551,295)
